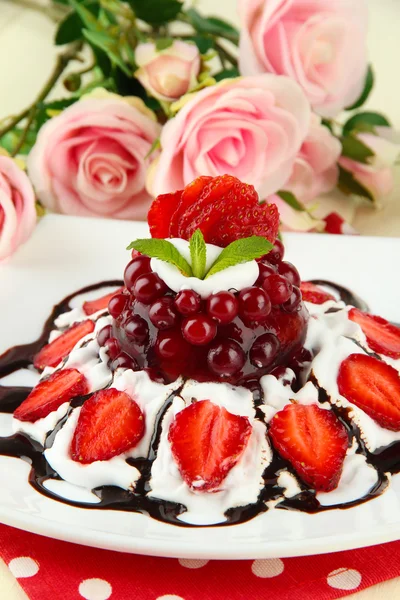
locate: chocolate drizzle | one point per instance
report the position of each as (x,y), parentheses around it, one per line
(21,446)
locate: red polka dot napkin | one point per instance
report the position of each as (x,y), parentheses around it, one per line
(49,569)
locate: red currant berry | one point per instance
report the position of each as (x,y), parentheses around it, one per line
(117,305)
(279,288)
(170,345)
(188,302)
(290,272)
(104,335)
(155,375)
(294,301)
(148,288)
(138,266)
(113,348)
(254,304)
(276,254)
(223,307)
(124,361)
(136,329)
(265,271)
(264,350)
(162,313)
(136,253)
(225,358)
(199,330)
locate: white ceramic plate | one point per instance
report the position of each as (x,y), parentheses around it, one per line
(67,253)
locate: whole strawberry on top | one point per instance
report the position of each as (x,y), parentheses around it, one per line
(209,296)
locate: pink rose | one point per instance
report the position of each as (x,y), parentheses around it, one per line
(168,74)
(377,175)
(91,159)
(250,127)
(17,207)
(315,169)
(319,43)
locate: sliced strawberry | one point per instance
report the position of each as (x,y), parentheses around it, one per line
(314,294)
(314,441)
(52,354)
(261,220)
(50,393)
(382,336)
(92,306)
(160,213)
(191,196)
(373,386)
(109,423)
(206,442)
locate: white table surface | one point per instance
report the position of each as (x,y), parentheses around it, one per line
(27,56)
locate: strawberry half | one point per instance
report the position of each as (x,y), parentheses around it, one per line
(314,441)
(191,196)
(314,294)
(382,336)
(110,422)
(373,386)
(160,214)
(206,442)
(92,306)
(52,354)
(50,393)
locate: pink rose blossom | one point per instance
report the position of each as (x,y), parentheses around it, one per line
(91,159)
(17,207)
(319,43)
(168,74)
(315,169)
(250,127)
(377,175)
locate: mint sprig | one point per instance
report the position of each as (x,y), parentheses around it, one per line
(164,250)
(240,251)
(198,254)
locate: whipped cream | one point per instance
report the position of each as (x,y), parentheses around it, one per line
(237,277)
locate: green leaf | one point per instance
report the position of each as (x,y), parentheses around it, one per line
(349,185)
(365,121)
(328,123)
(291,200)
(155,145)
(354,148)
(240,251)
(226,74)
(164,250)
(369,84)
(110,46)
(198,254)
(156,12)
(164,43)
(88,18)
(203,43)
(70,28)
(212,25)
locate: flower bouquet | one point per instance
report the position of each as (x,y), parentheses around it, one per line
(157,94)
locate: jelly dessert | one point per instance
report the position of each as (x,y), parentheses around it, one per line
(211,384)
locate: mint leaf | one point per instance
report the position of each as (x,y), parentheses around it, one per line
(198,254)
(163,250)
(241,251)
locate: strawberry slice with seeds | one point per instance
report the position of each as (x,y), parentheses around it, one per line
(314,294)
(160,214)
(54,352)
(191,197)
(206,442)
(50,393)
(92,306)
(373,386)
(110,423)
(314,441)
(382,336)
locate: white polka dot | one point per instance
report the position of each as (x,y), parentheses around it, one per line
(169,597)
(23,566)
(344,579)
(192,563)
(268,567)
(95,589)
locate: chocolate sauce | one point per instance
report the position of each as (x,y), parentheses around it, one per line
(21,446)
